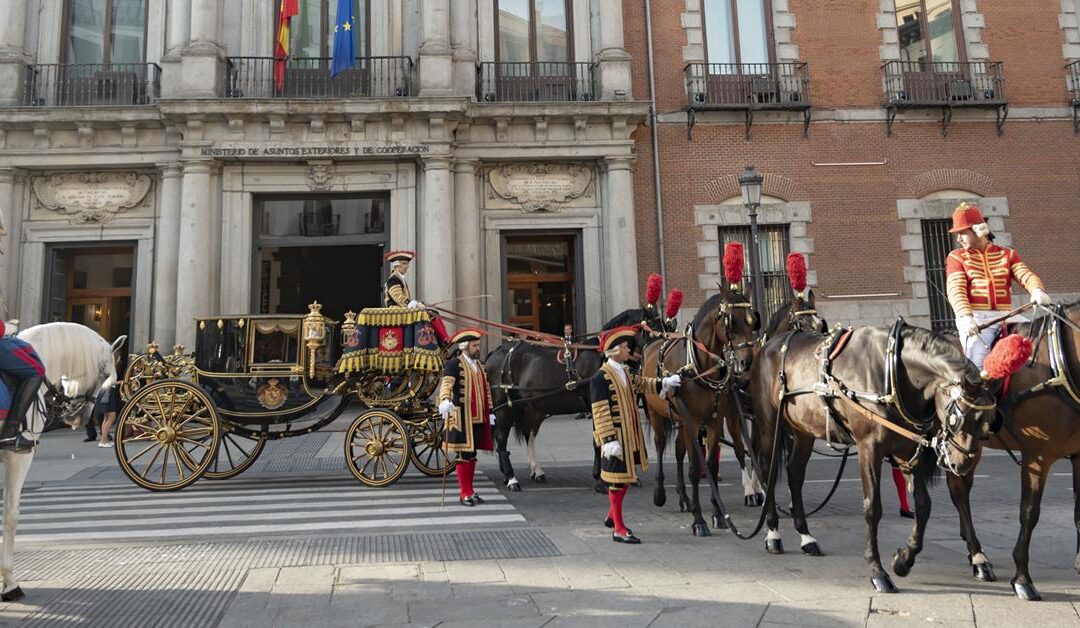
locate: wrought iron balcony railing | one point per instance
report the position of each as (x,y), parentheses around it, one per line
(747,87)
(541,81)
(309,77)
(1074,89)
(91,84)
(949,85)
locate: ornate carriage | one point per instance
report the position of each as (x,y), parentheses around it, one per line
(264,377)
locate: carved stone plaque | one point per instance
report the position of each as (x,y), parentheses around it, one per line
(540,187)
(91,197)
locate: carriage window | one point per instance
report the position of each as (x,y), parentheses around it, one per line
(772,255)
(276,342)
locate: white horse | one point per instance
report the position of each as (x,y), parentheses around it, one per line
(78,363)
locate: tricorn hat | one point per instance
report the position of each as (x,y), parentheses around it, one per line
(466,335)
(616,336)
(399,256)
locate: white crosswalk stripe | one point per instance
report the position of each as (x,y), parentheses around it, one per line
(252,507)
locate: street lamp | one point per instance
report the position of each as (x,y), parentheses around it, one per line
(750,183)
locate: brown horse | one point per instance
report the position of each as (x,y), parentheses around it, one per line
(933,404)
(798,314)
(1041,420)
(714,357)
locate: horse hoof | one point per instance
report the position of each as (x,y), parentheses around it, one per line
(539,478)
(900,567)
(659,499)
(774,546)
(883,584)
(718,523)
(700,529)
(1026,591)
(983,572)
(812,549)
(13,595)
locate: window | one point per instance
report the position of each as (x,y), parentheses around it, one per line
(533,31)
(105,31)
(772,255)
(937,243)
(929,31)
(312,29)
(738,31)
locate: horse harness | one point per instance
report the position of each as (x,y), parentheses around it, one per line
(1061,380)
(830,387)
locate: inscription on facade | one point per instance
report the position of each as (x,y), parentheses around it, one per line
(262,151)
(541,187)
(91,197)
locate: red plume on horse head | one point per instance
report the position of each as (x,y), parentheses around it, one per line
(674,302)
(796,271)
(733,262)
(1008,356)
(652,288)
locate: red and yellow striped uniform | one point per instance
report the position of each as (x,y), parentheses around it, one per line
(980,280)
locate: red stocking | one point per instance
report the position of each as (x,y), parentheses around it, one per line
(472,474)
(615,498)
(462,470)
(440,329)
(901,489)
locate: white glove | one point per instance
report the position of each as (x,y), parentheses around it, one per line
(611,449)
(11,327)
(669,384)
(415,305)
(491,420)
(967,326)
(445,408)
(1039,296)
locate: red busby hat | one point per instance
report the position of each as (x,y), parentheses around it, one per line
(399,256)
(652,288)
(674,302)
(967,217)
(614,337)
(796,271)
(466,335)
(733,262)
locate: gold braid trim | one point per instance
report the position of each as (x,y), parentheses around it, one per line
(1025,277)
(397,295)
(603,424)
(956,292)
(446,389)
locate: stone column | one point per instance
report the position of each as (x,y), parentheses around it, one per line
(436,233)
(436,61)
(619,243)
(167,257)
(13,56)
(463,43)
(179,34)
(193,281)
(203,59)
(7,213)
(613,59)
(467,240)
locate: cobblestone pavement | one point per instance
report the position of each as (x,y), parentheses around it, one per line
(296,541)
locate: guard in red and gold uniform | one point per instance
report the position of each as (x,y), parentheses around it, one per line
(465,405)
(396,289)
(978,279)
(617,431)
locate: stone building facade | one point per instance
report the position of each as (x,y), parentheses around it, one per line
(153,169)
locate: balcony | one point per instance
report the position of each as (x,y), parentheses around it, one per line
(948,85)
(747,87)
(309,77)
(91,84)
(542,81)
(1074,90)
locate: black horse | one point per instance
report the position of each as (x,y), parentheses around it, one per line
(529,383)
(933,405)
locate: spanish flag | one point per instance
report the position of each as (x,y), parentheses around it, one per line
(287,10)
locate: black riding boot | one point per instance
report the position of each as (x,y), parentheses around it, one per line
(11,438)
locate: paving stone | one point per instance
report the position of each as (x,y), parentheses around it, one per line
(377,575)
(239,617)
(710,616)
(472,571)
(434,571)
(1006,610)
(824,612)
(650,574)
(493,608)
(529,575)
(417,591)
(736,592)
(595,603)
(585,574)
(924,607)
(623,620)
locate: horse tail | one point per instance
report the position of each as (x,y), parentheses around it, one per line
(521,430)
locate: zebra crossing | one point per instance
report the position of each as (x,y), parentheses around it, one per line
(252,507)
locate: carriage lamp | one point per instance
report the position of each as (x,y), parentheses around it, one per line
(348,327)
(314,329)
(750,184)
(152,347)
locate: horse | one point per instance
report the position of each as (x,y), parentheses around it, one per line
(799,313)
(1040,419)
(935,405)
(529,383)
(76,359)
(714,356)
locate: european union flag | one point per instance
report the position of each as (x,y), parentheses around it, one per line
(344,56)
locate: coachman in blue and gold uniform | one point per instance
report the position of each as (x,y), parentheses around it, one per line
(23,372)
(396,291)
(617,430)
(465,405)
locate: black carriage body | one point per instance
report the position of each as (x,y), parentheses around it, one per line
(256,368)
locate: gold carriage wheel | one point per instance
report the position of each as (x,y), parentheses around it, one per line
(167,435)
(235,454)
(427,454)
(377,448)
(140,372)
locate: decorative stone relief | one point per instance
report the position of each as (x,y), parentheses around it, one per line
(320,177)
(91,197)
(540,187)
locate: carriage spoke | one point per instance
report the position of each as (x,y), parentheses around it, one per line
(193,442)
(176,459)
(141,453)
(146,470)
(188,460)
(164,464)
(191,417)
(225,445)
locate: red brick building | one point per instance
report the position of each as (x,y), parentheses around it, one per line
(913,107)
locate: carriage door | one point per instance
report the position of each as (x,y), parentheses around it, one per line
(541,281)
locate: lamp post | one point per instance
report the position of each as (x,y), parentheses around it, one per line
(750,184)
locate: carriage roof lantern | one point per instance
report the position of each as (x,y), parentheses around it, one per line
(750,183)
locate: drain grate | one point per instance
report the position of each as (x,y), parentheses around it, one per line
(311,551)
